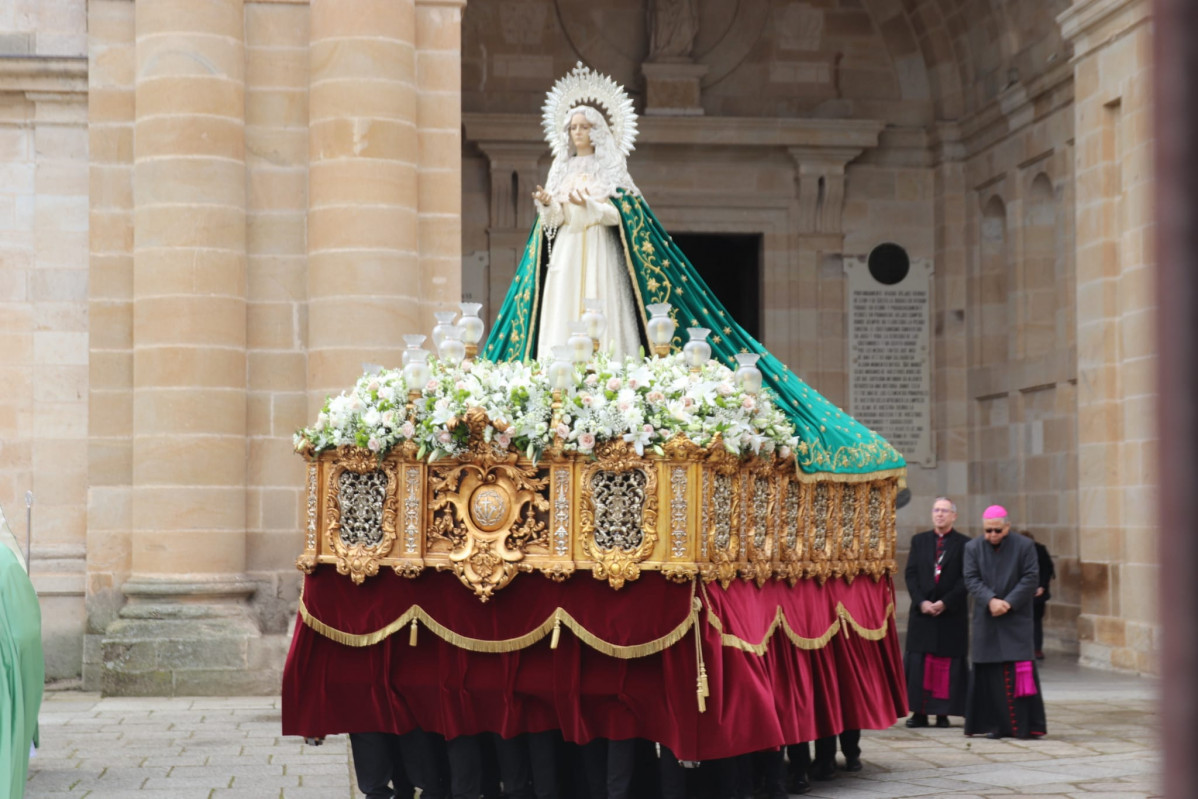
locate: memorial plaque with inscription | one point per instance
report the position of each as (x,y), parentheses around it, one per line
(890,376)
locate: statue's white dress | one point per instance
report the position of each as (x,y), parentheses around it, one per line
(586,261)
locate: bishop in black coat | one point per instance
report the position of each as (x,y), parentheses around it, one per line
(1002,574)
(938,623)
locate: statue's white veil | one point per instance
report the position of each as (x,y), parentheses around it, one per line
(610,168)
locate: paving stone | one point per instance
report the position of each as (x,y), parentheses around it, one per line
(1102,744)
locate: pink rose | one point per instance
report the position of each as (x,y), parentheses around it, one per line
(592,380)
(374,445)
(586,441)
(445,437)
(407,430)
(749,402)
(503,440)
(562,430)
(431,385)
(655,396)
(613,384)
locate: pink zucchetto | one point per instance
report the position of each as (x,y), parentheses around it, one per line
(995,512)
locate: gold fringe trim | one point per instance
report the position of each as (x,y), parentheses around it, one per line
(865,632)
(834,477)
(551,626)
(843,618)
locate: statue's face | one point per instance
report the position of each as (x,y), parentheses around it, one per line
(580,134)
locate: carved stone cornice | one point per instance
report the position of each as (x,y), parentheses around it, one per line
(44,74)
(707,131)
(821,150)
(1090,24)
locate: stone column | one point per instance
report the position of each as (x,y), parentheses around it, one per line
(439,127)
(364,278)
(185,628)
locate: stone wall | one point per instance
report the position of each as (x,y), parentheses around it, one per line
(43,306)
(1116,354)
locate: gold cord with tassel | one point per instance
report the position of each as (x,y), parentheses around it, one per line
(701,688)
(557,632)
(412,634)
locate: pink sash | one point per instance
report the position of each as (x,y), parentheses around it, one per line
(936,671)
(1025,683)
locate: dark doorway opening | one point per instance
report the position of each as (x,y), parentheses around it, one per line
(730,263)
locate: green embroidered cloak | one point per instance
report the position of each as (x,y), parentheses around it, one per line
(832,445)
(22,668)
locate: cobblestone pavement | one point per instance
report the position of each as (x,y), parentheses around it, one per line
(1101,744)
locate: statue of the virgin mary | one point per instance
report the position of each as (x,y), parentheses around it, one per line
(602,241)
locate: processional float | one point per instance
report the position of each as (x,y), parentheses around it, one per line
(656,547)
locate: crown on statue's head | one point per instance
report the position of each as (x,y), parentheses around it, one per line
(583,86)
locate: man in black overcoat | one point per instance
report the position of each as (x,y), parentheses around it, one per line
(1002,574)
(938,624)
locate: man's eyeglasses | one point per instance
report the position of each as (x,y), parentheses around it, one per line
(991,529)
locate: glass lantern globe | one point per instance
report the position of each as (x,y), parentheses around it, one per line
(748,376)
(596,322)
(660,328)
(579,343)
(452,350)
(414,342)
(697,351)
(472,327)
(444,323)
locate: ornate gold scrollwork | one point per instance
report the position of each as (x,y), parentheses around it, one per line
(825,502)
(488,515)
(354,507)
(619,562)
(722,498)
(760,502)
(791,538)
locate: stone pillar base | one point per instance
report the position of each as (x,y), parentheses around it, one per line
(187,636)
(672,88)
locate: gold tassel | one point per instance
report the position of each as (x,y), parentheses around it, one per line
(557,633)
(412,634)
(701,687)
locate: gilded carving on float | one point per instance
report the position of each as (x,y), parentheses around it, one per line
(618,514)
(687,512)
(360,515)
(486,518)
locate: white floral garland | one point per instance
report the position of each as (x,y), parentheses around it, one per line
(644,402)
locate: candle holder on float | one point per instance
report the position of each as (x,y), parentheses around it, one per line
(596,322)
(561,376)
(444,324)
(660,328)
(472,327)
(579,343)
(451,350)
(748,376)
(416,374)
(697,351)
(415,342)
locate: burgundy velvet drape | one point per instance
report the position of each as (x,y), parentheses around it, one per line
(786,694)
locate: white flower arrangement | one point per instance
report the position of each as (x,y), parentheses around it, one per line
(645,402)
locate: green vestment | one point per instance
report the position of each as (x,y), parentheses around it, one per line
(23,669)
(832,445)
